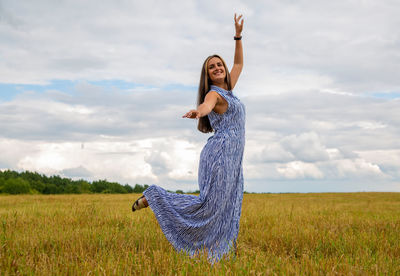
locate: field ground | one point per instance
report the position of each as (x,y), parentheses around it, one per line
(283,234)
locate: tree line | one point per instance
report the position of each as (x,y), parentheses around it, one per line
(12,182)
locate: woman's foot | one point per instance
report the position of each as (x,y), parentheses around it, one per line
(140,203)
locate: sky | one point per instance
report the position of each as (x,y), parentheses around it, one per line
(97,89)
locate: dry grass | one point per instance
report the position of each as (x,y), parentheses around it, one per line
(314,234)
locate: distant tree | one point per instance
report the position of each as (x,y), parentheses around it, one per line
(179,192)
(31,176)
(2,182)
(138,189)
(60,182)
(10,174)
(112,187)
(84,186)
(55,184)
(16,186)
(117,188)
(72,188)
(50,188)
(128,188)
(37,185)
(99,186)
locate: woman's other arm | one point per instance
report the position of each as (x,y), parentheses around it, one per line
(205,108)
(238,59)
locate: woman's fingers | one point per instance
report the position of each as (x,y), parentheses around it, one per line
(187,115)
(238,23)
(237,19)
(191,114)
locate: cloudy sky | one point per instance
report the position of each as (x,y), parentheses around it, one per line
(96,90)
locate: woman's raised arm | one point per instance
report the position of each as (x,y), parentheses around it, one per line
(238,60)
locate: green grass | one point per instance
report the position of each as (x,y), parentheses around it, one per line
(317,234)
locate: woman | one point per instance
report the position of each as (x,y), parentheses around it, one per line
(211,220)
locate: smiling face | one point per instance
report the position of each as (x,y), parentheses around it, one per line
(216,70)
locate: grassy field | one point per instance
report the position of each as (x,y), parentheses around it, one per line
(317,234)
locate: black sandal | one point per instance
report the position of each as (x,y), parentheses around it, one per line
(136,203)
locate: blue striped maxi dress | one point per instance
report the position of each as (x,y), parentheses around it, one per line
(209,221)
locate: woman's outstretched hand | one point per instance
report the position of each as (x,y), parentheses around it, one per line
(238,25)
(192,114)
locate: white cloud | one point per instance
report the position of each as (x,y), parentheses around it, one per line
(358,168)
(140,137)
(340,46)
(273,152)
(387,160)
(298,169)
(306,147)
(78,172)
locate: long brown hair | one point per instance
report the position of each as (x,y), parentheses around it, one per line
(204,86)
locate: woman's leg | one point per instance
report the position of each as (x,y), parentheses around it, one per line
(140,203)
